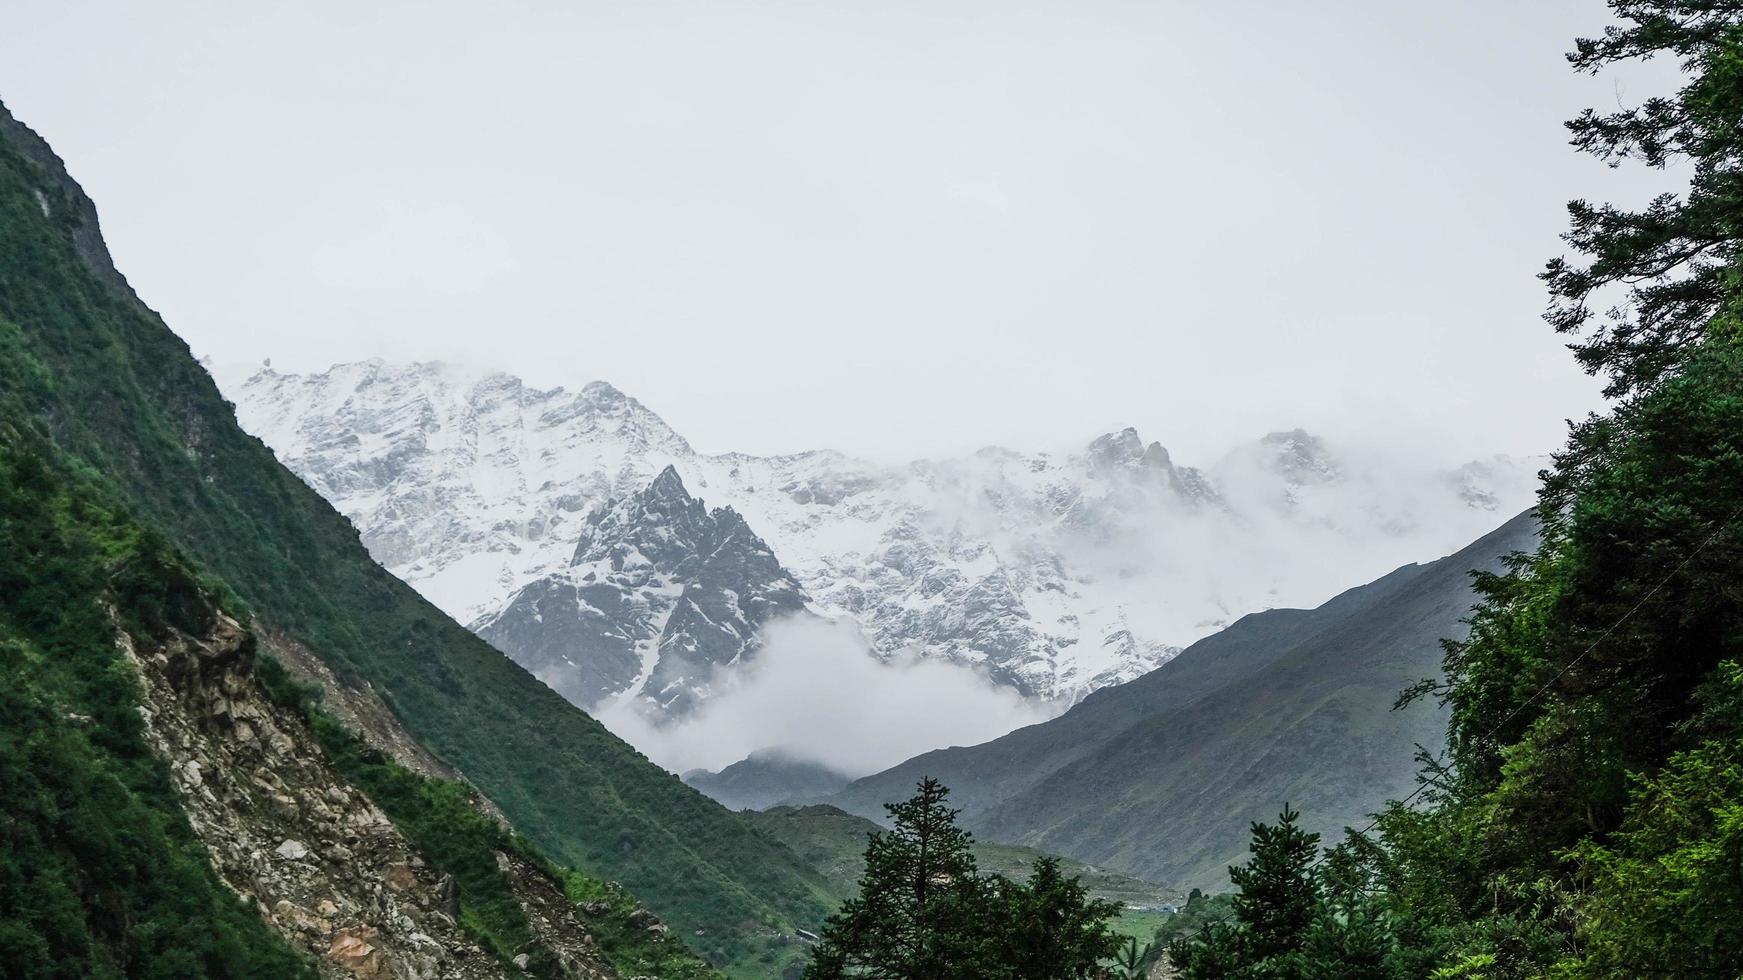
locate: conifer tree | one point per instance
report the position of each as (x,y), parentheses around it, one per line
(1352,936)
(1673,258)
(921,905)
(1131,961)
(1585,821)
(925,913)
(1050,928)
(1276,904)
(1276,900)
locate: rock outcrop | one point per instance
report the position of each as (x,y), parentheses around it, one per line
(660,592)
(288,832)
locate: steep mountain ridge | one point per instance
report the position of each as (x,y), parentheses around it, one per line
(98,375)
(367,868)
(1054,574)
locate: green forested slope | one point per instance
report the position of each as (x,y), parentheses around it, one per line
(84,361)
(1173,795)
(1162,776)
(100,874)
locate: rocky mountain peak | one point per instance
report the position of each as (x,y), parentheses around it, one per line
(660,592)
(669,486)
(1126,450)
(1150,467)
(604,393)
(1301,456)
(1156,457)
(1115,449)
(660,525)
(602,411)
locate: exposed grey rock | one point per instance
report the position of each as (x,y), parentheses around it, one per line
(265,801)
(660,591)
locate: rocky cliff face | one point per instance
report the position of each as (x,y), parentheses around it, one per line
(660,592)
(287,831)
(1054,573)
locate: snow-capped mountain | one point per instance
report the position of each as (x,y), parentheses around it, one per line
(1054,573)
(660,592)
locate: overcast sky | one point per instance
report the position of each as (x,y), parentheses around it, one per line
(887,227)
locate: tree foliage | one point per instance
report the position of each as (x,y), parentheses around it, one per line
(1585,821)
(1295,915)
(924,912)
(1673,259)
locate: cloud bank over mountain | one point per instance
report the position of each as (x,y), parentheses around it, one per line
(588,540)
(816,692)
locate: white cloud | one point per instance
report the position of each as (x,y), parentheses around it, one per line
(816,691)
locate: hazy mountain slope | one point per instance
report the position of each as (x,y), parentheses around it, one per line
(1054,573)
(118,392)
(766,778)
(1172,795)
(982,776)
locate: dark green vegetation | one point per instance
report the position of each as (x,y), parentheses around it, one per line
(832,841)
(1285,705)
(1197,914)
(618,923)
(100,874)
(86,365)
(926,912)
(1293,917)
(1587,818)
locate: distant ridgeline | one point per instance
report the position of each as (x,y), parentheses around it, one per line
(583,536)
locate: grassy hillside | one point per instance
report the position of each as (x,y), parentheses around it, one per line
(120,395)
(833,841)
(981,777)
(1171,796)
